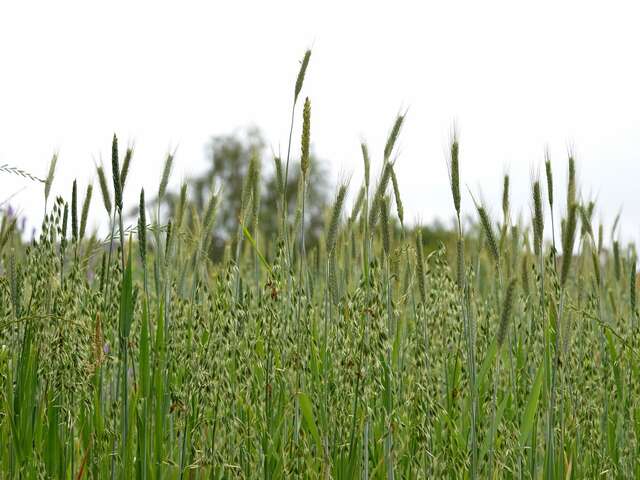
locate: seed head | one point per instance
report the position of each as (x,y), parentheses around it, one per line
(571,185)
(487,228)
(600,237)
(525,274)
(547,166)
(332,233)
(507,308)
(210,213)
(393,136)
(164,180)
(279,175)
(568,241)
(63,232)
(85,210)
(381,191)
(617,264)
(596,266)
(142,228)
(306,138)
(74,212)
(505,197)
(49,180)
(357,206)
(384,217)
(301,73)
(367,163)
(168,239)
(585,220)
(125,166)
(396,193)
(333,280)
(115,170)
(538,218)
(455,174)
(104,189)
(182,204)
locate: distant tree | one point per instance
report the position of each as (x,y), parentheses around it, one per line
(228,159)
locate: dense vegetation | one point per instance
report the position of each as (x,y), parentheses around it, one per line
(508,351)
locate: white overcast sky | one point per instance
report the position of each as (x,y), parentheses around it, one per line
(514,76)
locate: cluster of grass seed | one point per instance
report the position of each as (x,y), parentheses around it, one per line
(500,354)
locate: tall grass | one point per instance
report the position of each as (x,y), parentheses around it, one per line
(364,356)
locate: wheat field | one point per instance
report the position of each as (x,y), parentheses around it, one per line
(509,352)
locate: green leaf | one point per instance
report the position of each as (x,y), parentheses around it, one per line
(255,247)
(532,406)
(307,414)
(486,365)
